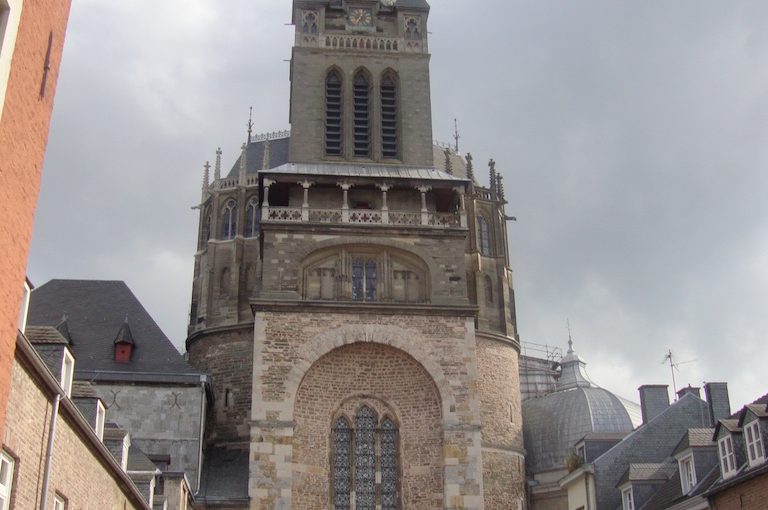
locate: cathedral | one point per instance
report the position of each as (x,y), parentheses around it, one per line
(352,297)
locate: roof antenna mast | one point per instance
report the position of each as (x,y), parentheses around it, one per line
(673,366)
(456,134)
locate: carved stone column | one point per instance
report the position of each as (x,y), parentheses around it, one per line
(462,208)
(424,214)
(345,204)
(305,205)
(384,208)
(265,204)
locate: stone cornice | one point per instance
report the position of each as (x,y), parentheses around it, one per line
(274,305)
(498,337)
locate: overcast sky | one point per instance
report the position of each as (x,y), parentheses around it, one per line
(633,137)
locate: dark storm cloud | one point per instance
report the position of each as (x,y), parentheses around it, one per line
(632,137)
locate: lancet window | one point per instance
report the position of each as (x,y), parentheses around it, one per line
(252,218)
(412,28)
(484,236)
(366,458)
(309,22)
(362,114)
(363,279)
(229,220)
(333,114)
(389,136)
(205,229)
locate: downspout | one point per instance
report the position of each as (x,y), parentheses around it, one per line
(586,489)
(49,452)
(202,432)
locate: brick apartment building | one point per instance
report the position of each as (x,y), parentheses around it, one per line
(31,43)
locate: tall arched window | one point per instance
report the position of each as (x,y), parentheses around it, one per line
(389,138)
(229,220)
(333,114)
(362,103)
(484,236)
(342,464)
(373,456)
(205,229)
(488,283)
(251,218)
(364,279)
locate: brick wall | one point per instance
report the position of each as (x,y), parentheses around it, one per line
(77,472)
(750,495)
(23,137)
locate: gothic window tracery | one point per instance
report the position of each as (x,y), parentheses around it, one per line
(412,28)
(333,114)
(251,218)
(365,274)
(362,122)
(389,135)
(229,220)
(366,458)
(309,22)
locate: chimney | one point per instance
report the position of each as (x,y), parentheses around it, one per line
(690,389)
(654,399)
(718,401)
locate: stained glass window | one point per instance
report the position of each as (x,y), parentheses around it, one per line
(342,473)
(370,280)
(365,459)
(364,278)
(389,476)
(229,220)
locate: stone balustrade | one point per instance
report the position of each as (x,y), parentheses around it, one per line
(361,217)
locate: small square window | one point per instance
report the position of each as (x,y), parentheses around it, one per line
(6,480)
(755,447)
(727,457)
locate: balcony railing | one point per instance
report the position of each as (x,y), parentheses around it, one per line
(364,217)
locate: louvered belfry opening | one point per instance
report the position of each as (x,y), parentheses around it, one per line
(333,115)
(389,147)
(362,116)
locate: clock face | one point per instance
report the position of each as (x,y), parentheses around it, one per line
(360,17)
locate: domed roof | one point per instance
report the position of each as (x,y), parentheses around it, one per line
(552,424)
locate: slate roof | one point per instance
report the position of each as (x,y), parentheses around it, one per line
(224,476)
(406,4)
(83,389)
(648,472)
(671,492)
(254,156)
(695,438)
(96,311)
(44,335)
(138,460)
(351,170)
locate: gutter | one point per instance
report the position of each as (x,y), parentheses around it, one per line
(81,427)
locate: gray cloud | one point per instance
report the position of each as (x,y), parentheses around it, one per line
(632,137)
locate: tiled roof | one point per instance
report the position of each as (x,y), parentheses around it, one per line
(96,311)
(138,460)
(406,4)
(695,438)
(347,170)
(648,472)
(44,335)
(83,389)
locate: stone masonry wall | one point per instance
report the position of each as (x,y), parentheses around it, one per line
(289,347)
(77,473)
(162,420)
(23,136)
(750,495)
(227,358)
(388,381)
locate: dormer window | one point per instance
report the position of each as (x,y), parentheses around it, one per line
(755,448)
(24,307)
(67,372)
(627,499)
(687,474)
(101,415)
(124,343)
(727,456)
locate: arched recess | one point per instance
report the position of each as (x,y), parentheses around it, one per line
(433,269)
(366,273)
(406,340)
(388,385)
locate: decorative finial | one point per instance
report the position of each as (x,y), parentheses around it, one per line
(217,168)
(243,163)
(492,172)
(570,338)
(250,124)
(500,187)
(206,175)
(456,134)
(470,170)
(448,162)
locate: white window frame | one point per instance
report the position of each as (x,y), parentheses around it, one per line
(59,503)
(7,464)
(627,499)
(10,16)
(24,308)
(101,418)
(687,474)
(727,456)
(755,446)
(67,372)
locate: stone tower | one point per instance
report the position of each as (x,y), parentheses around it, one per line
(352,303)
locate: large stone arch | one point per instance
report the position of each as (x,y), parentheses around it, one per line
(388,381)
(408,341)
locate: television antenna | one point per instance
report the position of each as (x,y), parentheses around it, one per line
(673,365)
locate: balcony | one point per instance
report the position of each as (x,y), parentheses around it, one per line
(363,217)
